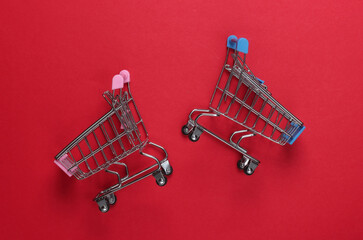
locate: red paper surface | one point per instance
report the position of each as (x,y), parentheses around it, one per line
(57,58)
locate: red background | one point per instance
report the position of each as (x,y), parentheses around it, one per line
(57,58)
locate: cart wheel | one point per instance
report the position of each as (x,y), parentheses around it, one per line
(193,137)
(105,207)
(161,181)
(112,199)
(240,164)
(248,170)
(169,172)
(185,130)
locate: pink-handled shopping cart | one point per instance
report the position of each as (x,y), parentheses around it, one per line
(109,140)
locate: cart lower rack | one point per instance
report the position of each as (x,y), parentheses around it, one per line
(244,99)
(108,141)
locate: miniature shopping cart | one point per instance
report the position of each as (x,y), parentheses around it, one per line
(108,141)
(244,99)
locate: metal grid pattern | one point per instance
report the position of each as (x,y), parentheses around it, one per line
(244,99)
(249,103)
(111,138)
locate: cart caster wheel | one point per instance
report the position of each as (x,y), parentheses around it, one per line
(104,207)
(185,130)
(240,164)
(112,199)
(169,171)
(248,171)
(193,137)
(161,181)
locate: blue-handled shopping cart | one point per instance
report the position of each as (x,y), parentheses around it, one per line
(244,99)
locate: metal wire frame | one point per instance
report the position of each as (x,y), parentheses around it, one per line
(193,124)
(274,117)
(131,130)
(239,71)
(127,180)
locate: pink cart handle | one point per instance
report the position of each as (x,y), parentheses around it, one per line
(119,80)
(126,75)
(64,163)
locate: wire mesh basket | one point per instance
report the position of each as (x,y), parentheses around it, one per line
(109,140)
(244,99)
